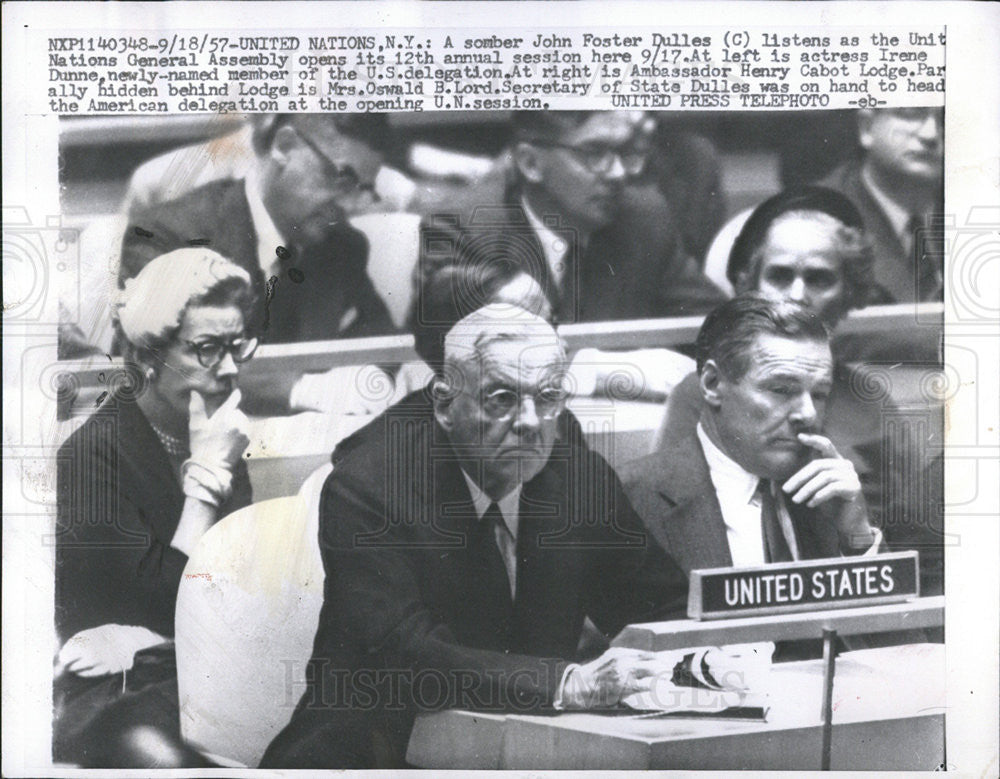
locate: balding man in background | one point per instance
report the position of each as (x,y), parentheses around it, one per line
(286,224)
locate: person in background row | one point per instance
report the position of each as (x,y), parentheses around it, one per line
(481,561)
(808,245)
(138,485)
(686,167)
(602,244)
(757,481)
(170,175)
(897,185)
(286,225)
(450,292)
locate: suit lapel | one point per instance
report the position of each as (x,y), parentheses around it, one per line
(527,253)
(894,269)
(692,528)
(551,566)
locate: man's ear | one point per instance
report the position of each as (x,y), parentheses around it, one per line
(710,381)
(528,162)
(865,120)
(285,140)
(442,395)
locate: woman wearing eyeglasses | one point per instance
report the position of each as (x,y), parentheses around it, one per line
(155,466)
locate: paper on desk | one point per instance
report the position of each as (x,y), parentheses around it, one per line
(737,678)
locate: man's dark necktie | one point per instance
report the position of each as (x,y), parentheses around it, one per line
(490,574)
(775,546)
(927,251)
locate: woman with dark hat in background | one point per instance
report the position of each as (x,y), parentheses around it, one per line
(808,244)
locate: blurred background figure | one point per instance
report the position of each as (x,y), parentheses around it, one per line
(287,224)
(139,483)
(231,156)
(896,182)
(686,167)
(894,178)
(809,245)
(578,216)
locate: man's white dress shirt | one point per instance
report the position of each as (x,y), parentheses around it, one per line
(739,499)
(553,244)
(268,237)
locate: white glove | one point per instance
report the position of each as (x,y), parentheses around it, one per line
(603,682)
(217,444)
(108,649)
(346,389)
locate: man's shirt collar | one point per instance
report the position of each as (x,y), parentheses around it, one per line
(508,504)
(268,236)
(727,475)
(553,244)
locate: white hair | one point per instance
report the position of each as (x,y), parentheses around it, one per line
(494,323)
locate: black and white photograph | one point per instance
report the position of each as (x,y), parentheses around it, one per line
(626,407)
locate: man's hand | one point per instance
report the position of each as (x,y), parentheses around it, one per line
(108,649)
(830,484)
(603,682)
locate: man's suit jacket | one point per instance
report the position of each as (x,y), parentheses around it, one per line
(402,586)
(672,491)
(634,268)
(896,272)
(324,294)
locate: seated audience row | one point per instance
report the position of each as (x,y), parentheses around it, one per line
(492,533)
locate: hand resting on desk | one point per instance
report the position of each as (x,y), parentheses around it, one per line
(665,680)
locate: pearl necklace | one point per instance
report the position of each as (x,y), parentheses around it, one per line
(174,446)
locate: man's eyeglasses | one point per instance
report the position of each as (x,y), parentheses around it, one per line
(502,404)
(211,353)
(344,176)
(601,159)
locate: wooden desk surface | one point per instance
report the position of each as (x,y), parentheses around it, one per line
(677,634)
(888,715)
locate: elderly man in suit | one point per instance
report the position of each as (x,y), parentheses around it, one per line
(464,543)
(757,481)
(576,216)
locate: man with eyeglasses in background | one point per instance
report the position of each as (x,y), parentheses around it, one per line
(577,216)
(286,223)
(464,542)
